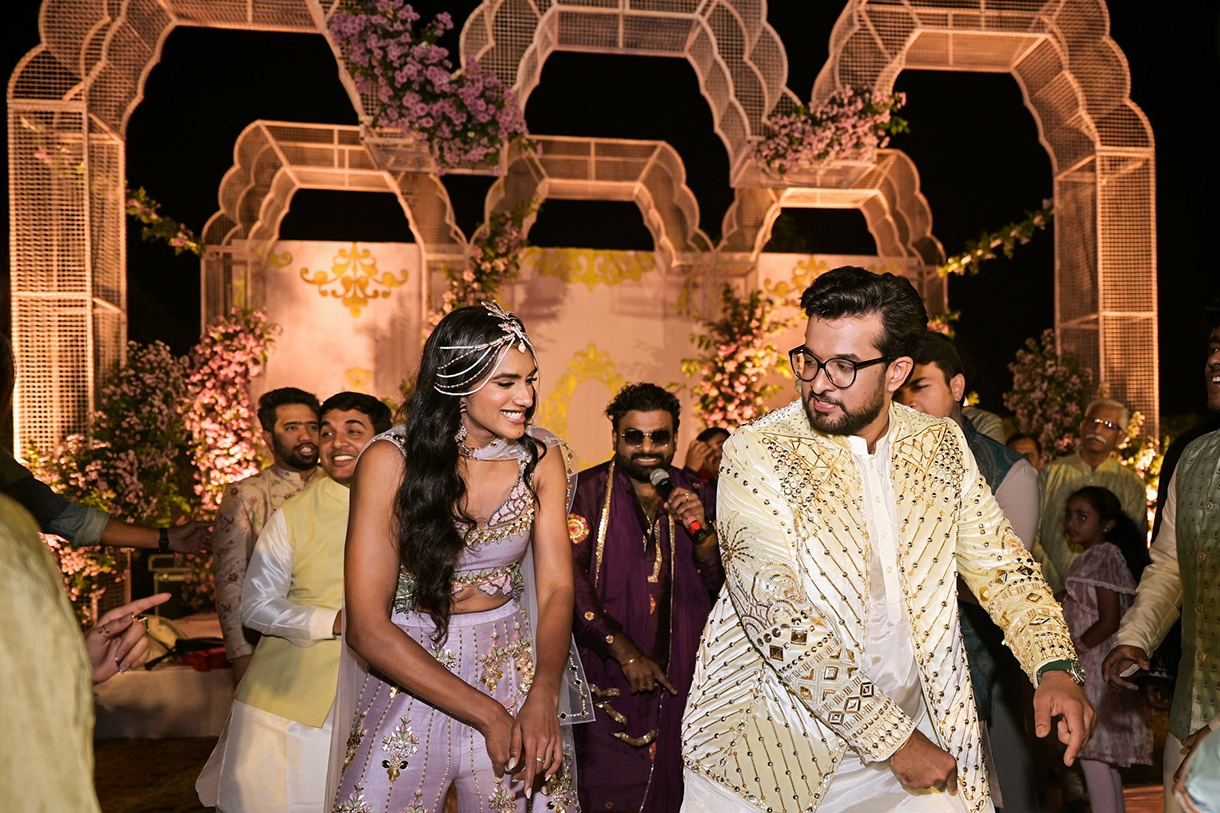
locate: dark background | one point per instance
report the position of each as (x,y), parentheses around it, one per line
(972,138)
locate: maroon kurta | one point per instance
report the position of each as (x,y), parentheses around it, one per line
(657,592)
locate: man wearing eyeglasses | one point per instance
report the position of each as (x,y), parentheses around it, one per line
(1094,463)
(645,579)
(832,675)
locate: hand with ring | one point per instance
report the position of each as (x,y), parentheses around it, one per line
(118,641)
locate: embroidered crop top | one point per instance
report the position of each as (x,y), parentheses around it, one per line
(491,560)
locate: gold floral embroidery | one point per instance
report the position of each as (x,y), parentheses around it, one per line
(354,739)
(401,743)
(354,803)
(502,801)
(578,528)
(498,657)
(561,796)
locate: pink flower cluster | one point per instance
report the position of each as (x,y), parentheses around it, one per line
(159,227)
(130,464)
(738,356)
(220,417)
(495,259)
(465,117)
(851,124)
(1049,393)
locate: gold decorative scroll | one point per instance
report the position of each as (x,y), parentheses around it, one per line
(803,275)
(591,266)
(354,279)
(358,379)
(590,364)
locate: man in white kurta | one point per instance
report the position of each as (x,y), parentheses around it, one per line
(274,751)
(832,675)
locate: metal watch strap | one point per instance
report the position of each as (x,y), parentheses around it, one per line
(163,540)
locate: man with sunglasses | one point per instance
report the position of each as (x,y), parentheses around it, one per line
(832,675)
(1094,463)
(645,579)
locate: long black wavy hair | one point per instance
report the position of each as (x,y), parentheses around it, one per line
(1124,535)
(432,524)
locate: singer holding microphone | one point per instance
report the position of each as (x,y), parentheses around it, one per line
(647,571)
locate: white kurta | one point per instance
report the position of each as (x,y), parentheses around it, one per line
(889,661)
(264,762)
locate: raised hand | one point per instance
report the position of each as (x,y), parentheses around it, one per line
(117,643)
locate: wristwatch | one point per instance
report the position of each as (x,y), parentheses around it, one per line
(1073,667)
(163,540)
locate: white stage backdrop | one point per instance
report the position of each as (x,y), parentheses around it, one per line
(598,319)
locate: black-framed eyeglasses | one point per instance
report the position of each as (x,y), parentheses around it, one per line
(840,371)
(659,437)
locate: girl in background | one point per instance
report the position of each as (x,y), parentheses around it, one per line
(1100,588)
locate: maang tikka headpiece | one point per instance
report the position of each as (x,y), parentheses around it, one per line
(487,356)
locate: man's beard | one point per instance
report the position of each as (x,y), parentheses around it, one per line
(847,423)
(294,459)
(636,471)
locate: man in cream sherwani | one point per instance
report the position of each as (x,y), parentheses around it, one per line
(831,675)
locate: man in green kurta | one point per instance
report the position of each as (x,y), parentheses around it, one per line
(1094,463)
(1183,580)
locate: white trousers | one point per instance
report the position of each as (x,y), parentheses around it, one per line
(1174,754)
(264,763)
(856,788)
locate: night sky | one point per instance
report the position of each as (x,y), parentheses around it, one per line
(972,138)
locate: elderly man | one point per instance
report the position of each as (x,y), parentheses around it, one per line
(1094,463)
(831,674)
(1183,581)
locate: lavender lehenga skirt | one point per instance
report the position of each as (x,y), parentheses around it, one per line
(403,754)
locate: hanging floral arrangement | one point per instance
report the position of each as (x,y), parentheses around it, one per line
(465,118)
(221,419)
(158,227)
(851,124)
(1004,240)
(1049,393)
(495,258)
(132,463)
(738,354)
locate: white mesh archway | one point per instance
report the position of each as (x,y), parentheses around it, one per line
(1076,81)
(69,100)
(271,161)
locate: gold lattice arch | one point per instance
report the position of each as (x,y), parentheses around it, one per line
(1076,81)
(271,161)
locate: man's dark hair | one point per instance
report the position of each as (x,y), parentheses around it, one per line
(378,413)
(1211,316)
(1022,436)
(643,398)
(937,348)
(711,432)
(284,396)
(854,291)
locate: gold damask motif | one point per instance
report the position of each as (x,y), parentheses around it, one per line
(803,275)
(590,364)
(355,279)
(591,266)
(281,260)
(358,379)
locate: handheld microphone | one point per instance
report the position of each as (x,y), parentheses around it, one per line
(665,486)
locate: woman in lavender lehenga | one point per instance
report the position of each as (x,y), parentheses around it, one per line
(458,579)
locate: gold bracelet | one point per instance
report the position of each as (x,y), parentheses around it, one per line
(629,662)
